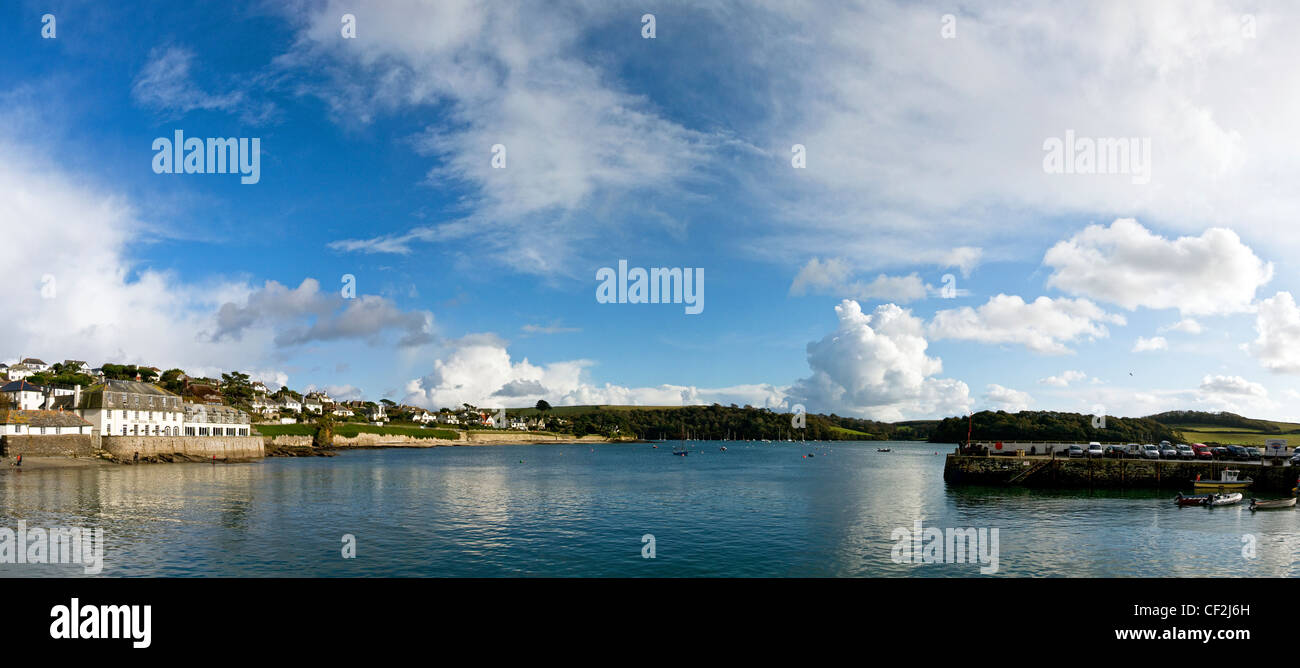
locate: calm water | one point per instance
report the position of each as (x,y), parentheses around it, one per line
(579,510)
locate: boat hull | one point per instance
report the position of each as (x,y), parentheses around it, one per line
(1225,499)
(1220,486)
(1276,504)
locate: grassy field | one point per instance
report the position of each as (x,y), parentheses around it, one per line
(1234,437)
(285,429)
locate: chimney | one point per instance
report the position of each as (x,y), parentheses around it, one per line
(49,398)
(76,396)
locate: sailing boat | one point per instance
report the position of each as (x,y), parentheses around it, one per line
(680,450)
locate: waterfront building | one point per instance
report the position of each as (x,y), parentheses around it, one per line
(42,423)
(127,408)
(208,420)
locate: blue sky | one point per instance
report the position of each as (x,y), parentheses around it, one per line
(925,138)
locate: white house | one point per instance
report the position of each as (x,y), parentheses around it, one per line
(423,417)
(22,395)
(313,404)
(75,366)
(291,404)
(36,364)
(127,408)
(208,420)
(376,414)
(42,423)
(19,372)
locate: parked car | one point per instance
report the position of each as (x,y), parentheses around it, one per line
(1221,452)
(1094,449)
(1118,451)
(1185,451)
(1076,451)
(1295,458)
(1253,453)
(1237,452)
(1150,451)
(1168,451)
(1133,450)
(1202,451)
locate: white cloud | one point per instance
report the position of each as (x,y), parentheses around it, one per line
(1143,344)
(1126,264)
(1064,379)
(1277,323)
(478,370)
(1000,398)
(833,277)
(1186,325)
(1232,385)
(1044,325)
(958,143)
(513,76)
(166,84)
(875,365)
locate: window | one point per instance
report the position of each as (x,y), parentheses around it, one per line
(124,430)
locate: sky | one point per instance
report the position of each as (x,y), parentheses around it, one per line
(899,210)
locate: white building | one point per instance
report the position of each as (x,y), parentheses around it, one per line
(208,420)
(291,404)
(127,408)
(22,395)
(42,423)
(35,364)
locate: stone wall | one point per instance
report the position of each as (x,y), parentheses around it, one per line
(1107,473)
(223,447)
(290,441)
(366,440)
(64,445)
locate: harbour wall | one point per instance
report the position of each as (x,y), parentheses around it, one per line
(204,447)
(1100,473)
(63,445)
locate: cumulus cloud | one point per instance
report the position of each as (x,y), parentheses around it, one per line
(1186,325)
(478,370)
(1063,380)
(875,365)
(1044,325)
(305,314)
(1126,264)
(1232,385)
(1143,344)
(1000,398)
(1277,325)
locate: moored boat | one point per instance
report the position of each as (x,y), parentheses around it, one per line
(1224,499)
(884,450)
(1228,481)
(1272,504)
(1198,500)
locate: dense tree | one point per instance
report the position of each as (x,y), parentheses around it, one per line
(1049,426)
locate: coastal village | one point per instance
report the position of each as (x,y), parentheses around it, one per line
(131,411)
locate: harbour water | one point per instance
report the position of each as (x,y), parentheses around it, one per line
(757,509)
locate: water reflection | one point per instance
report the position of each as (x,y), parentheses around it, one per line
(755,510)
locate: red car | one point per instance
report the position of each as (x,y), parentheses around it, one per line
(1202,451)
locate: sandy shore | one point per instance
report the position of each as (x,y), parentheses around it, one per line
(47,463)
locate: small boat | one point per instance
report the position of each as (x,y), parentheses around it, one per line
(1272,504)
(1198,500)
(884,449)
(723,448)
(680,453)
(1227,482)
(1224,499)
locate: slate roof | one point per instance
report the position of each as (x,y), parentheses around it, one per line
(205,414)
(93,397)
(43,418)
(21,386)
